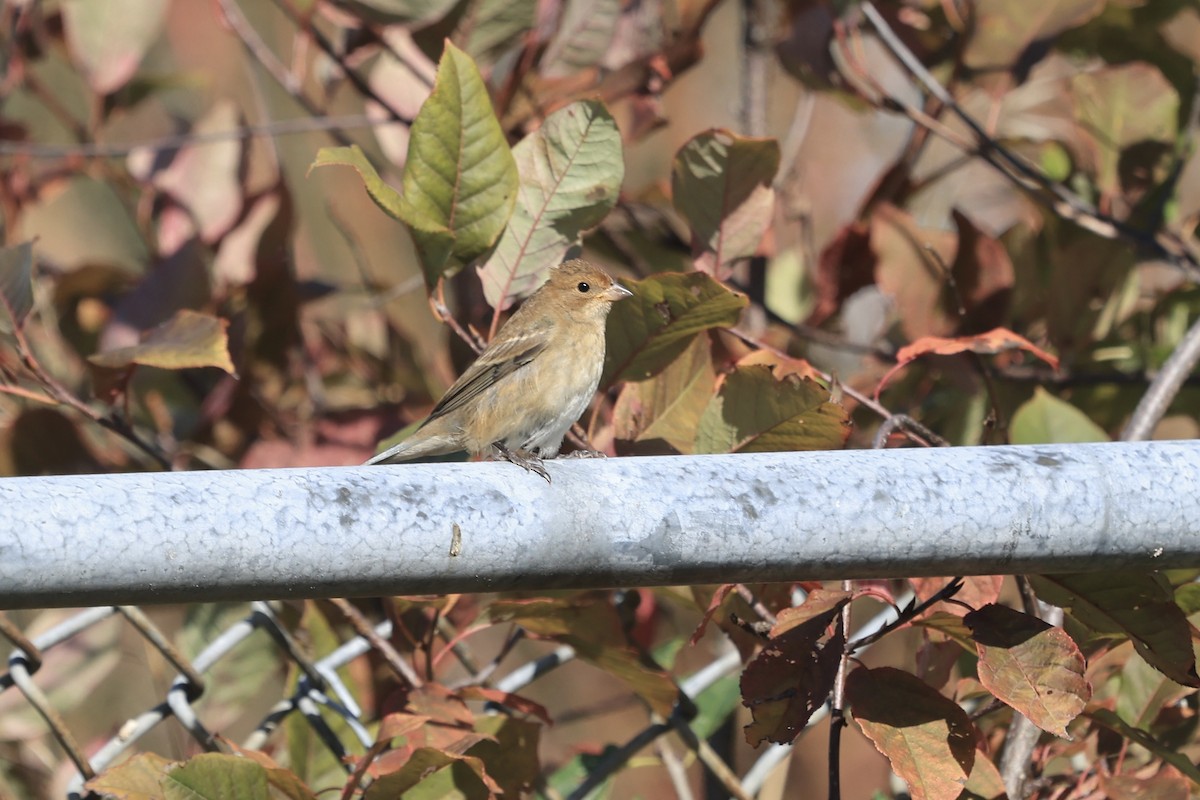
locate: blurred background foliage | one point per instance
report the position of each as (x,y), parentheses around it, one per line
(818,238)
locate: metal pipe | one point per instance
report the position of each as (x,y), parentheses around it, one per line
(357,531)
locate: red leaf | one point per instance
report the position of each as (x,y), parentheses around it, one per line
(927,737)
(994,341)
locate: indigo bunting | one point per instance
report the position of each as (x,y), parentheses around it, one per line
(531,383)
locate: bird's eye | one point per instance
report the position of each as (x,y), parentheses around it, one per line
(583,287)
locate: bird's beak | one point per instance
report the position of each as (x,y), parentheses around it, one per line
(617,292)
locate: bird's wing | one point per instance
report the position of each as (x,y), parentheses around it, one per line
(499,360)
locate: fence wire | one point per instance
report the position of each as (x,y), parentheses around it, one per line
(319,688)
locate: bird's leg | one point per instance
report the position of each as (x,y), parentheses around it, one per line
(528,461)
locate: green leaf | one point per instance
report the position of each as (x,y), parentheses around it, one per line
(1139,606)
(927,737)
(217,776)
(592,626)
(1171,755)
(667,408)
(721,183)
(16,285)
(754,412)
(1004,29)
(85,222)
(1032,666)
(1045,419)
(139,778)
(460,179)
(584,34)
(393,12)
(387,198)
(493,27)
(187,340)
(571,170)
(109,39)
(649,330)
(1118,106)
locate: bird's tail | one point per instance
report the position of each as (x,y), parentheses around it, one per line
(424,442)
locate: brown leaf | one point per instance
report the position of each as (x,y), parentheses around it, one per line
(927,738)
(983,278)
(844,266)
(1032,666)
(994,341)
(793,674)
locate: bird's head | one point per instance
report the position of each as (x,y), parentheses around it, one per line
(583,288)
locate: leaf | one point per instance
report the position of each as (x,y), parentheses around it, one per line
(994,341)
(845,265)
(139,778)
(16,286)
(425,764)
(1004,29)
(512,759)
(387,198)
(460,179)
(649,330)
(108,40)
(754,412)
(590,624)
(205,177)
(1137,606)
(910,266)
(666,409)
(570,175)
(1108,719)
(393,12)
(493,27)
(985,782)
(85,222)
(1034,667)
(1164,784)
(927,738)
(1045,419)
(792,676)
(1144,692)
(216,776)
(584,33)
(722,184)
(186,341)
(1118,106)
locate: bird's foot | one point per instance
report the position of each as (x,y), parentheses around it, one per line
(585,454)
(522,459)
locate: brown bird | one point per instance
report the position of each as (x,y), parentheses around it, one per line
(531,383)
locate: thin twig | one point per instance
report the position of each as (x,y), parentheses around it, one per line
(357,81)
(837,703)
(1165,386)
(905,615)
(1165,243)
(384,647)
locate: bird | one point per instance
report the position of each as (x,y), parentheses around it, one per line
(531,383)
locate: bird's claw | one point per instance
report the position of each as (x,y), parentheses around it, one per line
(524,460)
(585,454)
